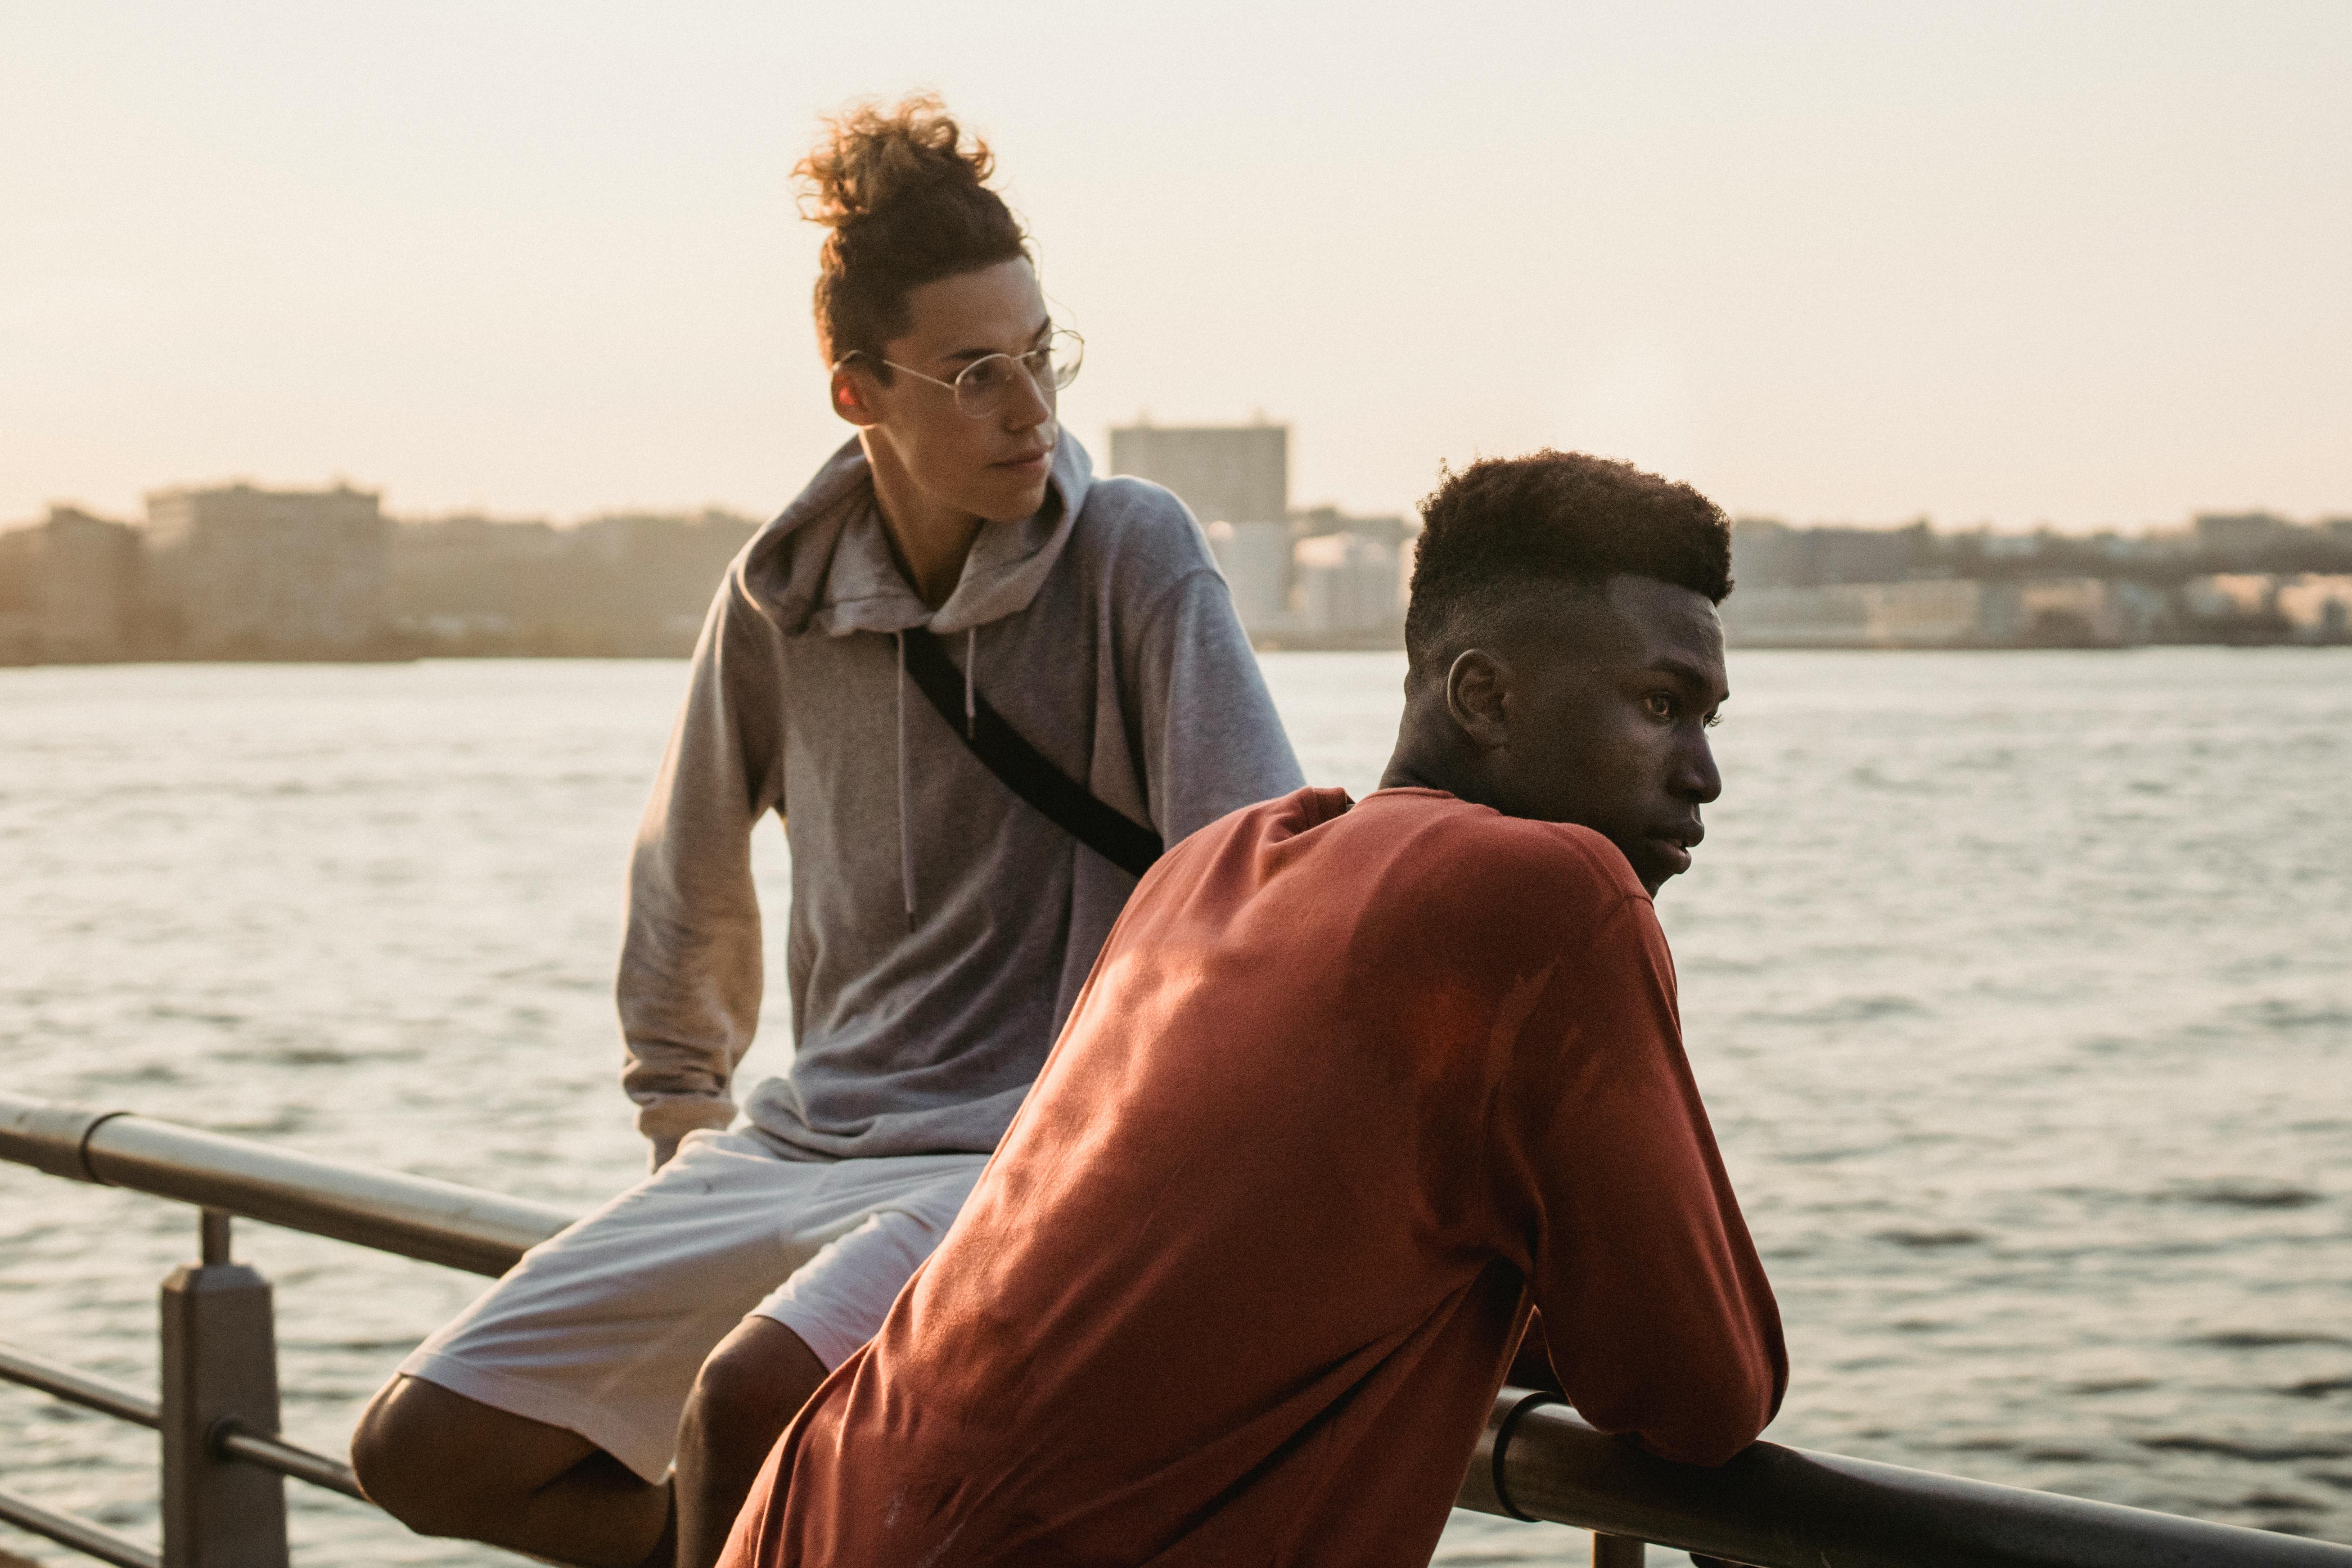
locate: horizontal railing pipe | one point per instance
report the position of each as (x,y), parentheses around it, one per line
(78,1387)
(413,1217)
(1786,1508)
(90,1540)
(128,1404)
(277,1453)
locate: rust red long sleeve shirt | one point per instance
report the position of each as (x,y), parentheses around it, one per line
(1349,1091)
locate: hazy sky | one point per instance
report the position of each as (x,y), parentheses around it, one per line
(2080,263)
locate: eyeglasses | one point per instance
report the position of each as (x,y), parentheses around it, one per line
(981,387)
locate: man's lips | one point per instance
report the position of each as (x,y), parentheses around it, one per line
(1676,844)
(1036,462)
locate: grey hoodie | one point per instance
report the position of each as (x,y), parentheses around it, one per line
(941,926)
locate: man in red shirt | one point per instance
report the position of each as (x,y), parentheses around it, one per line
(1352,1089)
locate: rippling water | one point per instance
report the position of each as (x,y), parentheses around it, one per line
(2016,984)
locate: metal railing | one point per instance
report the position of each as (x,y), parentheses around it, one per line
(223,1460)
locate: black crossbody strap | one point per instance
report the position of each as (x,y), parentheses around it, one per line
(1108,832)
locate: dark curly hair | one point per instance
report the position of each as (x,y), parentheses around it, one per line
(1507,524)
(905,197)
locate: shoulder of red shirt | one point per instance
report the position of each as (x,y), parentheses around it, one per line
(1475,858)
(1483,839)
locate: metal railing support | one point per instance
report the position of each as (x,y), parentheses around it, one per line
(220,1374)
(1618,1551)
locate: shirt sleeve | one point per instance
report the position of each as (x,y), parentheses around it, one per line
(689,983)
(1212,742)
(1659,1319)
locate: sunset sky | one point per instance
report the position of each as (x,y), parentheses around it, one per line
(2087,264)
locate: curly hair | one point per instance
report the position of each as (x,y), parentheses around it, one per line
(1506,524)
(905,197)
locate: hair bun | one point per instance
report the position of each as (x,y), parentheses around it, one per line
(873,159)
(905,196)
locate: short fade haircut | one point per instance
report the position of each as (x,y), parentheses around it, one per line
(1506,525)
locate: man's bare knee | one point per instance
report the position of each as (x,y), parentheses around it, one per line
(760,1375)
(443,1463)
(748,1391)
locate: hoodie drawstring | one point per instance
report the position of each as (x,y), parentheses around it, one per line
(906,830)
(970,663)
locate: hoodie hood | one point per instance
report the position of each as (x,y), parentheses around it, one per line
(824,564)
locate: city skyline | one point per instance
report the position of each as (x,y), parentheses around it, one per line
(239,572)
(1104,447)
(2181,519)
(1982,262)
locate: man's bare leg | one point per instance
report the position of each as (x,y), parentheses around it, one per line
(748,1392)
(443,1463)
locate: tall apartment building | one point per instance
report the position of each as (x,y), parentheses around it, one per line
(1225,473)
(1236,479)
(1316,578)
(250,573)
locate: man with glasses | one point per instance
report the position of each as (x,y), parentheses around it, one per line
(983,688)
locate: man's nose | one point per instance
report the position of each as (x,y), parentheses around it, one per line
(1029,406)
(1696,775)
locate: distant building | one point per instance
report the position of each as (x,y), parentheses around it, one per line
(2230,596)
(1779,615)
(2317,605)
(69,591)
(1769,554)
(1925,614)
(1225,473)
(2011,546)
(623,585)
(2241,539)
(1255,560)
(2070,611)
(1237,476)
(653,574)
(20,641)
(1347,588)
(1309,521)
(1766,554)
(252,572)
(1944,612)
(474,583)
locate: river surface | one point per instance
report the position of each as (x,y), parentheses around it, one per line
(2016,984)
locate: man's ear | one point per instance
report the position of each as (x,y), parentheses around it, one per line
(1477,692)
(853,397)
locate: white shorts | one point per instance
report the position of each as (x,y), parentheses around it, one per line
(601,1328)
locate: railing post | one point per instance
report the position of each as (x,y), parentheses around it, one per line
(1618,1551)
(220,1366)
